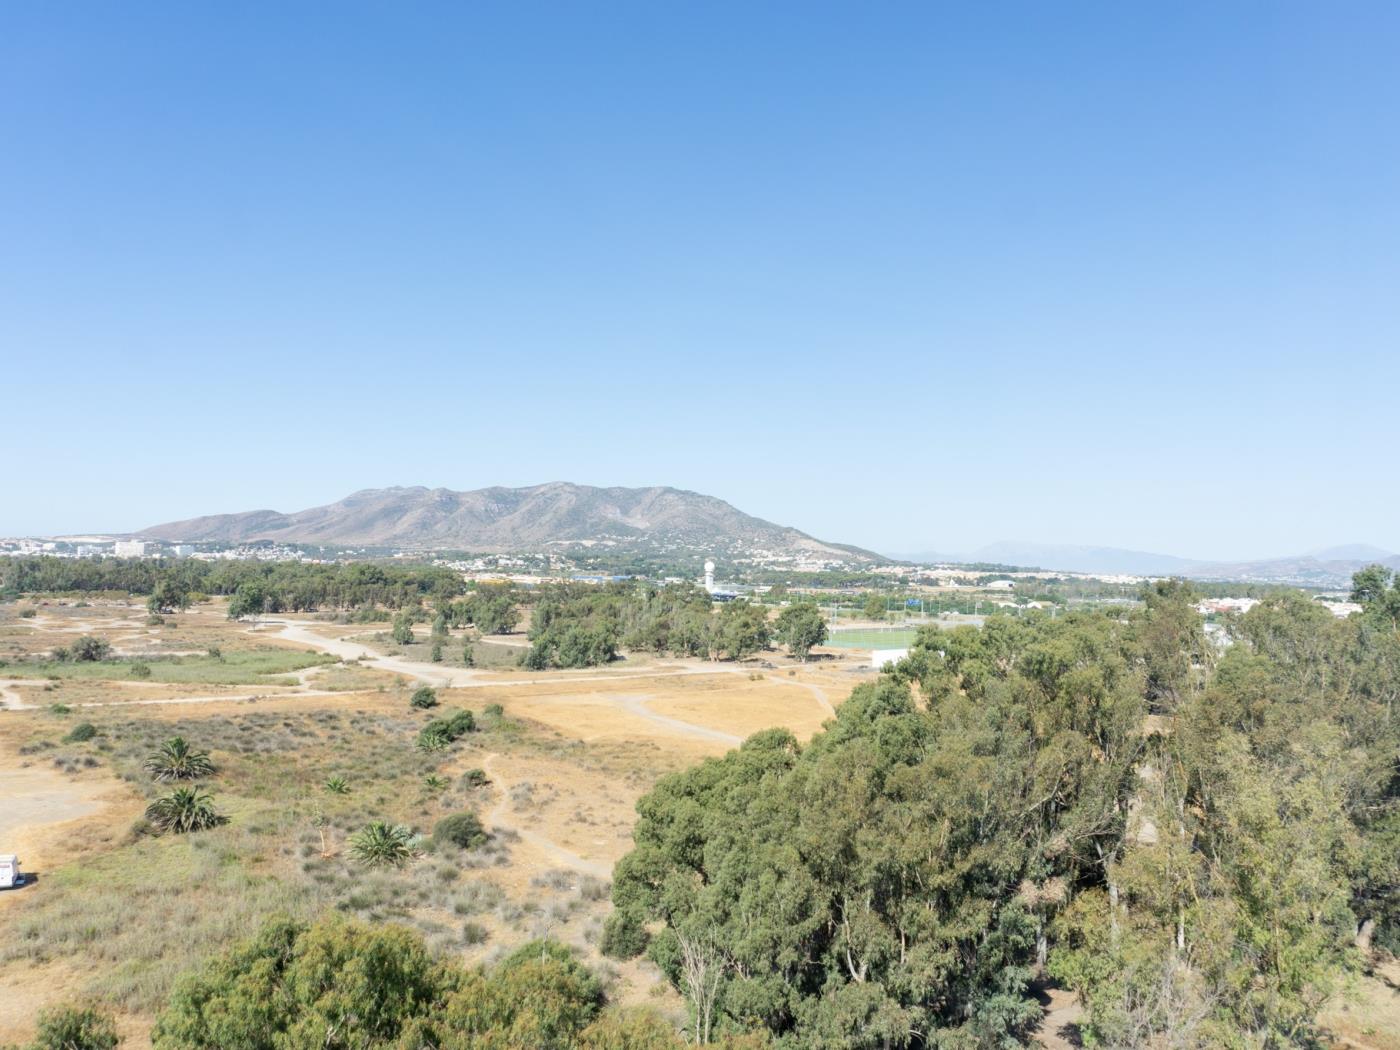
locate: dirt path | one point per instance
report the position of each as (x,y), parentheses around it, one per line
(11,699)
(497,818)
(1059,1025)
(637,705)
(820,695)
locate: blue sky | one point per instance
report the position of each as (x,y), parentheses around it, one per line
(913,276)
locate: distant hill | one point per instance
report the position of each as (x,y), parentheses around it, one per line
(515,519)
(1109,560)
(1329,567)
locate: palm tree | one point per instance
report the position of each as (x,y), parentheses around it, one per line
(184,809)
(176,760)
(379,844)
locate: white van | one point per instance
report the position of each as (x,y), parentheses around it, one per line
(9,871)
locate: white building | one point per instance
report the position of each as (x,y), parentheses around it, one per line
(880,657)
(129,549)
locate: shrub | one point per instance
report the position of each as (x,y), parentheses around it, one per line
(184,809)
(140,670)
(624,936)
(434,782)
(81,732)
(380,844)
(90,649)
(441,732)
(337,786)
(343,983)
(462,830)
(423,697)
(60,709)
(176,760)
(494,711)
(474,778)
(402,631)
(436,654)
(155,620)
(27,614)
(474,933)
(71,1028)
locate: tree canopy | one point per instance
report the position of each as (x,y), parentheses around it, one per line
(1192,841)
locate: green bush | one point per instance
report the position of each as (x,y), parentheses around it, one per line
(624,936)
(90,649)
(81,732)
(71,1028)
(474,778)
(423,697)
(140,671)
(441,732)
(380,986)
(462,830)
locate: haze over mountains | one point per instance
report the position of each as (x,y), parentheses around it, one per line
(514,519)
(1331,566)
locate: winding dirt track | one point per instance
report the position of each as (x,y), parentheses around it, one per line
(498,819)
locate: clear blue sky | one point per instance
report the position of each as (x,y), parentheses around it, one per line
(914,276)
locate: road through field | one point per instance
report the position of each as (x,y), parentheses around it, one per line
(497,818)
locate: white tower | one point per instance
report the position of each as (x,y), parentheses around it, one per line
(710,576)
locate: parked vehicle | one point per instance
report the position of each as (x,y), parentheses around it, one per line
(10,875)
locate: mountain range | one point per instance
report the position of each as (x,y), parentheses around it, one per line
(1327,567)
(496,520)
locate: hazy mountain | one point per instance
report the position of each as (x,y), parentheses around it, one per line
(506,519)
(1352,552)
(1062,557)
(1071,558)
(1329,567)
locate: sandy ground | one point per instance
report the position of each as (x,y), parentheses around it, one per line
(50,818)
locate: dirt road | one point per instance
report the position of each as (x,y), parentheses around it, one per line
(497,818)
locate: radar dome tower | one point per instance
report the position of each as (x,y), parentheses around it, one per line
(710,576)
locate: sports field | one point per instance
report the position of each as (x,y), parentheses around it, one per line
(872,638)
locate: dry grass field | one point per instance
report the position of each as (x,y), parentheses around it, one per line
(117,912)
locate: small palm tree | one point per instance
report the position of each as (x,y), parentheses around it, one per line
(434,782)
(176,760)
(337,786)
(184,809)
(380,844)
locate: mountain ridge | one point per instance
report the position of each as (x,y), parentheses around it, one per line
(499,519)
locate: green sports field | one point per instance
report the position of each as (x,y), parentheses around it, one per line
(872,638)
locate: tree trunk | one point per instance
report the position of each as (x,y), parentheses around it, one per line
(1364,932)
